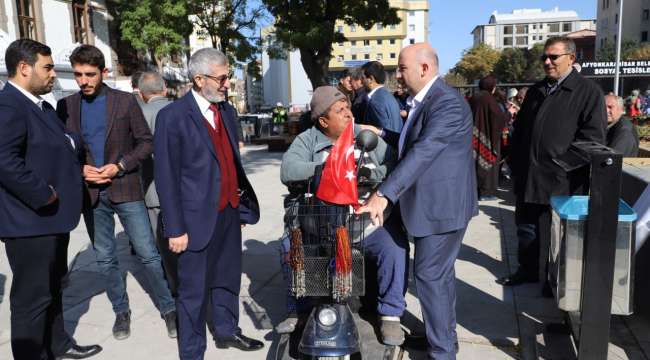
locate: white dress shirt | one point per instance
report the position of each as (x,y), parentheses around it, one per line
(204,107)
(370,94)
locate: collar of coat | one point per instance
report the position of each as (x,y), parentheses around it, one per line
(570,83)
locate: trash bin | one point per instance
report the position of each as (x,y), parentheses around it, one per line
(566,254)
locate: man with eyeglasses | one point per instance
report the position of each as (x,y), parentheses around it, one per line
(562,108)
(205,200)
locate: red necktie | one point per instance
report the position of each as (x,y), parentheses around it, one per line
(217,116)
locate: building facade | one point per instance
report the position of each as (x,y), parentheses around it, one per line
(62,25)
(636,21)
(526,27)
(381,43)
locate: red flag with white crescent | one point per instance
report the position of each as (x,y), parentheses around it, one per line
(338,183)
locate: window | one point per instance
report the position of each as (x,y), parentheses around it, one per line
(411,27)
(26,19)
(353,43)
(366,42)
(554,27)
(80,21)
(392,55)
(380,57)
(340,58)
(366,56)
(644,36)
(411,13)
(379,41)
(646,14)
(616,19)
(507,41)
(340,43)
(522,29)
(566,27)
(353,28)
(522,40)
(507,29)
(392,41)
(339,29)
(354,57)
(534,26)
(411,41)
(380,27)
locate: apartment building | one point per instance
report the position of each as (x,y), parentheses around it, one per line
(527,27)
(636,21)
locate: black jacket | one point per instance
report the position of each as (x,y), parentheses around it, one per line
(545,128)
(623,137)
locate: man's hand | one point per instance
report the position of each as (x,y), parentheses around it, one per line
(178,244)
(53,197)
(371,128)
(375,206)
(109,171)
(94,175)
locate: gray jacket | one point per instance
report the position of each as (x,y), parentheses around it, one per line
(308,151)
(150,111)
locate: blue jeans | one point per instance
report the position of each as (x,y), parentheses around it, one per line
(133,216)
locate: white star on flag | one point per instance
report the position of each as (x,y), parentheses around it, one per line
(349,175)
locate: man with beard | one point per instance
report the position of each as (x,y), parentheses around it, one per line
(563,108)
(40,203)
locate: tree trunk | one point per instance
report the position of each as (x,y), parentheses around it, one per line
(316,66)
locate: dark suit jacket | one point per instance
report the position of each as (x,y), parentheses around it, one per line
(127,137)
(383,111)
(623,137)
(434,181)
(34,155)
(188,179)
(545,128)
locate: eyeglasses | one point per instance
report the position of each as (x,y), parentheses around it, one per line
(220,79)
(553,57)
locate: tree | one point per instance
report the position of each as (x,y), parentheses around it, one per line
(309,27)
(454,79)
(639,53)
(229,25)
(157,27)
(477,62)
(608,51)
(511,65)
(535,67)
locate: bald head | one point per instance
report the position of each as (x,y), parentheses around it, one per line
(418,64)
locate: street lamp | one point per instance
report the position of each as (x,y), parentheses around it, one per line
(618,46)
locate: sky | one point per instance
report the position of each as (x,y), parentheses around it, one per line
(451,21)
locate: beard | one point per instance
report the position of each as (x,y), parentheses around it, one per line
(38,87)
(213,96)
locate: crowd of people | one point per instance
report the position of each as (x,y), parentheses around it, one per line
(438,155)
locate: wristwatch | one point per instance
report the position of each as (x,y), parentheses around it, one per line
(121,168)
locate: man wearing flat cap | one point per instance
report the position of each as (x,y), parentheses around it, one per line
(387,246)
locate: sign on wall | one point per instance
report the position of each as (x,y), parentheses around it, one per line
(608,68)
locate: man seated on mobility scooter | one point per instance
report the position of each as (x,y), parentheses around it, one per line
(387,246)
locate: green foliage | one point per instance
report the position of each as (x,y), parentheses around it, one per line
(229,25)
(156,27)
(511,65)
(309,26)
(608,52)
(535,68)
(455,79)
(640,53)
(477,62)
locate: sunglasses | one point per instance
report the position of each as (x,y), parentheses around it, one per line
(553,57)
(221,79)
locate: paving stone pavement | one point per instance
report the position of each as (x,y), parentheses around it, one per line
(487,314)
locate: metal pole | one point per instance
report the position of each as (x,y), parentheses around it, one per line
(618,46)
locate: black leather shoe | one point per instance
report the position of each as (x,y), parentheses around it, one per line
(517,278)
(80,352)
(238,341)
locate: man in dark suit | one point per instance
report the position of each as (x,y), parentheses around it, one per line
(117,140)
(40,202)
(621,132)
(434,188)
(563,108)
(360,101)
(205,199)
(383,109)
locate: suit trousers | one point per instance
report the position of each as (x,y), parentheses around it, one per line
(169,259)
(534,237)
(435,281)
(39,265)
(210,276)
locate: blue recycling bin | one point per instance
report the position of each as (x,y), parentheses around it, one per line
(566,257)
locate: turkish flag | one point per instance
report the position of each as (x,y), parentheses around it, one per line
(338,183)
